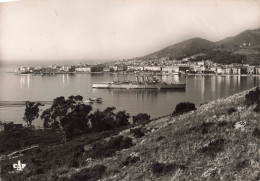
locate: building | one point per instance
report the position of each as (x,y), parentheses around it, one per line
(83,69)
(184,68)
(153,68)
(106,69)
(257,70)
(227,70)
(250,70)
(135,68)
(170,69)
(220,70)
(65,68)
(213,69)
(236,70)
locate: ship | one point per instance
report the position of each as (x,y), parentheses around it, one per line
(154,83)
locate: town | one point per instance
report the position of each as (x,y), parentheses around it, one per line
(163,66)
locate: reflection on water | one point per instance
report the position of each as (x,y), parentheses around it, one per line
(199,89)
(25,81)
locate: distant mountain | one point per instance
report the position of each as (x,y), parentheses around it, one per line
(197,45)
(248,36)
(182,48)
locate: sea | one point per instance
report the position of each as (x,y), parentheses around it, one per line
(16,89)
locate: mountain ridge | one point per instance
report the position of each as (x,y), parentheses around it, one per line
(197,45)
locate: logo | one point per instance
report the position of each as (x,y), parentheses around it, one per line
(19,166)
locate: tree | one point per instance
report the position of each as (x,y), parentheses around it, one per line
(31,112)
(103,120)
(67,116)
(141,118)
(184,107)
(122,118)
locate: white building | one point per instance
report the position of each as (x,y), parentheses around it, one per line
(152,68)
(170,69)
(83,69)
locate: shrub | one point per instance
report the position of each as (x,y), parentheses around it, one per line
(214,147)
(137,132)
(252,97)
(94,173)
(231,110)
(141,118)
(160,138)
(109,148)
(130,160)
(160,169)
(184,107)
(257,108)
(256,132)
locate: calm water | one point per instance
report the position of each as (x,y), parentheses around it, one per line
(157,103)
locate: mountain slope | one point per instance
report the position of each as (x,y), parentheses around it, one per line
(248,36)
(182,48)
(197,45)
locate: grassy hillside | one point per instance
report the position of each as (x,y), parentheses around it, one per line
(182,48)
(218,141)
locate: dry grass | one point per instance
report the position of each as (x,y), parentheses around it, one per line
(207,144)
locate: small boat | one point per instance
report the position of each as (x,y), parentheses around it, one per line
(96,99)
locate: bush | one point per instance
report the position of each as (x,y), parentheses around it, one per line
(137,132)
(256,132)
(110,147)
(160,169)
(141,118)
(130,160)
(214,147)
(231,110)
(184,107)
(94,173)
(252,97)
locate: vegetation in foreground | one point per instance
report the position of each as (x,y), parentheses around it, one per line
(217,141)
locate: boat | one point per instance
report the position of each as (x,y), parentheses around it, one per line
(98,100)
(139,84)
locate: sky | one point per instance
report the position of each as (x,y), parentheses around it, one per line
(79,30)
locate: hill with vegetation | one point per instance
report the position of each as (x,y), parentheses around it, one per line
(181,49)
(218,140)
(244,47)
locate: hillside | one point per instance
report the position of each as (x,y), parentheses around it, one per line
(248,36)
(218,141)
(182,48)
(246,44)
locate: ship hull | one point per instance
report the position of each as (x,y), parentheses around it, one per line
(138,86)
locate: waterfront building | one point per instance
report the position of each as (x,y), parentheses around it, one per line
(183,69)
(153,68)
(236,70)
(227,70)
(220,70)
(250,70)
(106,69)
(65,68)
(170,69)
(213,69)
(83,69)
(257,70)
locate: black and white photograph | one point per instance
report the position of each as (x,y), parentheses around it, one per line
(129,90)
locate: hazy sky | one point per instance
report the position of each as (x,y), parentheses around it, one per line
(94,29)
